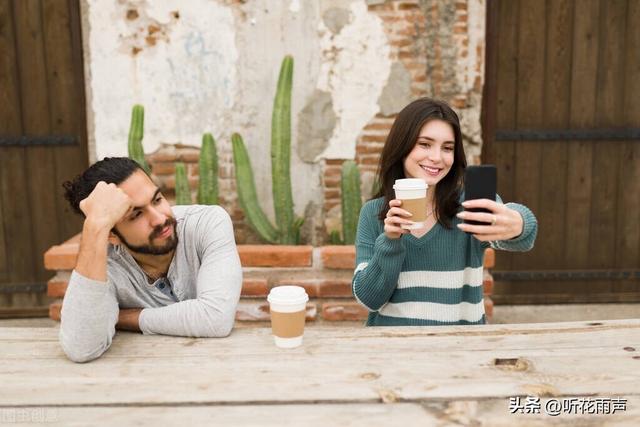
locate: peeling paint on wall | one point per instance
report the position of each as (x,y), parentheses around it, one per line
(355,68)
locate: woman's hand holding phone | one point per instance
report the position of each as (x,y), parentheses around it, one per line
(500,223)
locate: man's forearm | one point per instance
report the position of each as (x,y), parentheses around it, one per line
(92,258)
(128,319)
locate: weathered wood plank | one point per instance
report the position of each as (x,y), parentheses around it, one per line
(35,118)
(582,115)
(490,412)
(628,206)
(66,104)
(606,154)
(506,85)
(553,174)
(530,114)
(13,175)
(333,365)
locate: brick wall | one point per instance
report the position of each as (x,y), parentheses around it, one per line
(325,272)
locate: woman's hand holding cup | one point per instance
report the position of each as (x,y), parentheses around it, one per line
(396,216)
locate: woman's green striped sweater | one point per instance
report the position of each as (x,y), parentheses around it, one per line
(432,280)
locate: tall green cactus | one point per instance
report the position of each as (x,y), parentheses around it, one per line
(183,193)
(208,183)
(281,154)
(351,200)
(136,132)
(287,229)
(247,192)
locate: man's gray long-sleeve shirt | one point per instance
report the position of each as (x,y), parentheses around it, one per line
(198,298)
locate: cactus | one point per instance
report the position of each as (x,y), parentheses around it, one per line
(287,229)
(183,194)
(351,200)
(208,183)
(281,153)
(334,238)
(247,192)
(136,132)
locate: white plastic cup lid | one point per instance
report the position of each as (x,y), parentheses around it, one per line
(409,184)
(288,295)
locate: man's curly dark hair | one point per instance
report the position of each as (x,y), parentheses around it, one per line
(112,170)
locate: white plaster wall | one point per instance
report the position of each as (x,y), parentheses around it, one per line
(186,80)
(472,69)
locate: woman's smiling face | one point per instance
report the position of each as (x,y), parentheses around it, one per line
(432,157)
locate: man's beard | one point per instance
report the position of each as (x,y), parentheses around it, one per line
(152,249)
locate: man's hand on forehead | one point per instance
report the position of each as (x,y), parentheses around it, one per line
(106,205)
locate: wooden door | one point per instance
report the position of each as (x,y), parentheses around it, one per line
(42,140)
(562,123)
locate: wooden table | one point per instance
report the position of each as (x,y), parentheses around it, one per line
(340,376)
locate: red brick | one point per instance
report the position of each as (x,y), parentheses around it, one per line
(368,149)
(54,310)
(487,283)
(255,311)
(489,258)
(379,125)
(408,6)
(189,156)
(255,287)
(330,162)
(374,138)
(322,288)
(338,257)
(64,256)
(337,311)
(330,204)
(194,169)
(56,288)
(332,172)
(275,255)
(163,168)
(373,160)
(332,194)
(332,181)
(161,156)
(170,182)
(488,307)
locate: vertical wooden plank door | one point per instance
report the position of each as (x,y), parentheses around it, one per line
(42,141)
(562,124)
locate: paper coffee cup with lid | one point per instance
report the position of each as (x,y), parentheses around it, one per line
(288,307)
(413,193)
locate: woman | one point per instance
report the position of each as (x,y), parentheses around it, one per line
(432,275)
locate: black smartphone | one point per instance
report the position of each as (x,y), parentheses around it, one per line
(480,183)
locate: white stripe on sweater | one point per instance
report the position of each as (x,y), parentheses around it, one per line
(433,311)
(441,279)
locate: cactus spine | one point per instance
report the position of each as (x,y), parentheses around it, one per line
(208,184)
(247,192)
(136,132)
(351,200)
(287,229)
(183,194)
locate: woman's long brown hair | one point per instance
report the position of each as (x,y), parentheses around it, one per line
(402,137)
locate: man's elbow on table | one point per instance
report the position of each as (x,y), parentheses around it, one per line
(82,353)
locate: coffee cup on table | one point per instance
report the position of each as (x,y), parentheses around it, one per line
(413,194)
(288,307)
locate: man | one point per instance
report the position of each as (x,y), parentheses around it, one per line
(143,265)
